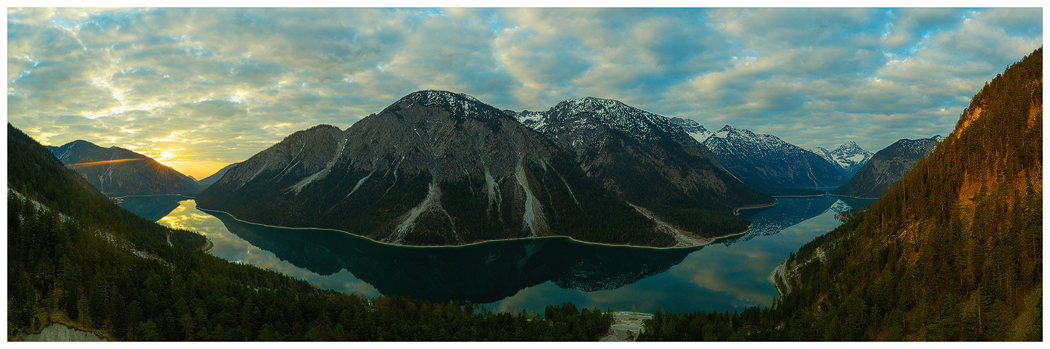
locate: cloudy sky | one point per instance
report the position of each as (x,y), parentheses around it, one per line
(202,88)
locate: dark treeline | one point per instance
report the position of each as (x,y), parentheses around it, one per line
(79,259)
(952,252)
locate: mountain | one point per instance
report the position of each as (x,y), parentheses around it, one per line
(216,176)
(953,251)
(848,158)
(121,172)
(648,160)
(434,168)
(887,167)
(768,162)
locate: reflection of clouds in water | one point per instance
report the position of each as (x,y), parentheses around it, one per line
(739,271)
(232,248)
(718,277)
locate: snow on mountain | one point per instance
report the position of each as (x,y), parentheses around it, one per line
(848,158)
(640,124)
(695,130)
(433,168)
(767,161)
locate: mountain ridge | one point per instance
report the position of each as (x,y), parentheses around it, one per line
(120,172)
(768,162)
(433,168)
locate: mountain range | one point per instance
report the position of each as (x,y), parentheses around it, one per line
(887,167)
(434,168)
(647,160)
(768,162)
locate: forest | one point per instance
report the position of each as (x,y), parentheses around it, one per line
(952,252)
(75,257)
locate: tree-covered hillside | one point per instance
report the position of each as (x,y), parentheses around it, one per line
(952,252)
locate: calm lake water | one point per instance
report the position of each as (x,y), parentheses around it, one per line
(528,274)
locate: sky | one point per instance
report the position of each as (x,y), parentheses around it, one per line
(200,88)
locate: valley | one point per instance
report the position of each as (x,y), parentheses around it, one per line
(512,275)
(360,174)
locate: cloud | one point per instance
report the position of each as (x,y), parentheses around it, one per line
(233,81)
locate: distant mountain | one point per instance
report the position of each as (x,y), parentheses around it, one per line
(121,172)
(848,158)
(216,176)
(768,162)
(649,161)
(434,168)
(887,167)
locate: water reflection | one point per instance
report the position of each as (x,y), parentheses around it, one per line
(529,274)
(787,212)
(479,273)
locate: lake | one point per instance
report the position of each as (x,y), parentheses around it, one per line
(513,275)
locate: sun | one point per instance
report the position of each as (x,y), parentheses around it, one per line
(166,155)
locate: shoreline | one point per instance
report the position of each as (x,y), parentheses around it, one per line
(712,240)
(800,196)
(779,271)
(736,211)
(852,197)
(148,195)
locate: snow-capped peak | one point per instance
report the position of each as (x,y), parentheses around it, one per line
(617,115)
(456,103)
(848,157)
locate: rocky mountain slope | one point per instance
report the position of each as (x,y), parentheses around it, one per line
(434,168)
(887,167)
(848,158)
(121,172)
(768,162)
(649,161)
(216,176)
